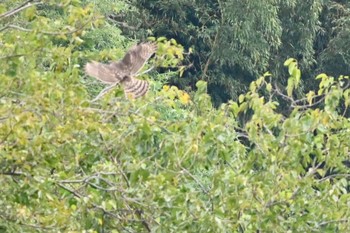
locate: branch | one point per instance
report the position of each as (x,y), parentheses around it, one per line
(76,194)
(344,220)
(31,52)
(47,32)
(215,42)
(15,27)
(295,103)
(22,7)
(13,173)
(95,176)
(333,176)
(184,170)
(295,192)
(137,211)
(103,92)
(113,18)
(206,67)
(144,72)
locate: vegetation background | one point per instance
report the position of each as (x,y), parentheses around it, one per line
(235,134)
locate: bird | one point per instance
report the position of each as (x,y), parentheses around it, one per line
(125,71)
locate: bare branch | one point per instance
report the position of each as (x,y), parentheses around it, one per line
(76,194)
(344,220)
(13,173)
(104,91)
(145,72)
(113,18)
(333,176)
(62,32)
(87,181)
(184,170)
(110,213)
(22,7)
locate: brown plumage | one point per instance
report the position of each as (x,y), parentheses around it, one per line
(125,70)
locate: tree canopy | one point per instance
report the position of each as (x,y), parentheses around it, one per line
(273,159)
(234,41)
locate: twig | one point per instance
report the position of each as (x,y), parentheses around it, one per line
(13,173)
(122,24)
(184,170)
(22,7)
(333,176)
(94,176)
(78,195)
(103,92)
(144,72)
(47,32)
(344,220)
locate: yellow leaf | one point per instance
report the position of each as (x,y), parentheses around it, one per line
(166,87)
(184,98)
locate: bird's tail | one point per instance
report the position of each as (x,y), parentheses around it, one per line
(135,88)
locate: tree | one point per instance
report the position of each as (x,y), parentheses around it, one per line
(235,41)
(169,161)
(333,58)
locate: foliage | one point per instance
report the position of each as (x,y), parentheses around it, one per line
(235,41)
(335,39)
(169,161)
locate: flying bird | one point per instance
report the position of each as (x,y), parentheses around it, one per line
(125,71)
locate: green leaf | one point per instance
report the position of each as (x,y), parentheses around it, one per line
(241,98)
(321,76)
(289,61)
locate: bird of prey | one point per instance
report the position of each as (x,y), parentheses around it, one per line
(125,71)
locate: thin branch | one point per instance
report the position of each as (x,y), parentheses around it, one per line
(295,103)
(76,194)
(113,19)
(13,173)
(296,191)
(88,182)
(12,26)
(144,72)
(103,92)
(22,7)
(44,32)
(333,176)
(344,220)
(206,67)
(184,170)
(15,27)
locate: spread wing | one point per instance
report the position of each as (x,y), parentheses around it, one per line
(107,73)
(137,56)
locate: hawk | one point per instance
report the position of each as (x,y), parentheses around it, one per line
(126,70)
